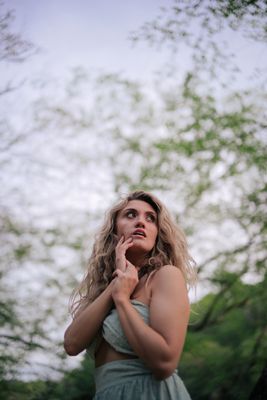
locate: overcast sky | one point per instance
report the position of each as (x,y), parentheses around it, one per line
(95,36)
(92,34)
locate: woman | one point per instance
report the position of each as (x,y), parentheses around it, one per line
(133,308)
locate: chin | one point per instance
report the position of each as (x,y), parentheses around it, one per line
(138,245)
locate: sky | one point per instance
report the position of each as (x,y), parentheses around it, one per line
(95,36)
(92,34)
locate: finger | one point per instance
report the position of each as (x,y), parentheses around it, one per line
(114,273)
(118,245)
(129,265)
(117,273)
(128,242)
(123,246)
(121,240)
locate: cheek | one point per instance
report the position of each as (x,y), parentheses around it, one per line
(155,233)
(120,227)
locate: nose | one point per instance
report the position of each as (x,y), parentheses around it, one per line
(140,221)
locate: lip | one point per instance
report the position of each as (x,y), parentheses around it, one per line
(142,231)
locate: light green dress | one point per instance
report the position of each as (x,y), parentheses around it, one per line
(131,379)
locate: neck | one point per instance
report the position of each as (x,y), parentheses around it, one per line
(138,260)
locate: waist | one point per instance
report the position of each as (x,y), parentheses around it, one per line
(119,371)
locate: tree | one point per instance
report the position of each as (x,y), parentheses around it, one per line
(13,344)
(205,155)
(244,149)
(13,48)
(223,358)
(208,29)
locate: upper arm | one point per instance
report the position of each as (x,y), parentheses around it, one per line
(169,308)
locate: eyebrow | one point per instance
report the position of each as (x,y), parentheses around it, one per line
(146,212)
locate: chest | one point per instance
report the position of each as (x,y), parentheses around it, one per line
(143,290)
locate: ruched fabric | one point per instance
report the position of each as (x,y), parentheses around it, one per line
(132,380)
(112,331)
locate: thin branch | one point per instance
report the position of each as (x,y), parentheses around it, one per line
(20,340)
(237,250)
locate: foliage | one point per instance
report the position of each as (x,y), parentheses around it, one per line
(13,344)
(224,358)
(221,360)
(209,29)
(13,47)
(205,155)
(76,385)
(249,17)
(206,151)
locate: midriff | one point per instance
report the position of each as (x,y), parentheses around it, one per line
(107,353)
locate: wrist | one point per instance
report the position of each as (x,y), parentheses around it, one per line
(121,300)
(108,291)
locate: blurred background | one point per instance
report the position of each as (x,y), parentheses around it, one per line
(98,99)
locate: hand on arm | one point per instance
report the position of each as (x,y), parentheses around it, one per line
(160,344)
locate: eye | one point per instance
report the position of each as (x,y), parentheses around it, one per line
(131,214)
(151,218)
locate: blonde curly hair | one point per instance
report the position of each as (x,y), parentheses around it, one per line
(170,248)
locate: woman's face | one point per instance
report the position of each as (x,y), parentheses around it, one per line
(138,220)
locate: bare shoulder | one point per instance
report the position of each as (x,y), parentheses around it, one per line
(169,273)
(169,289)
(169,279)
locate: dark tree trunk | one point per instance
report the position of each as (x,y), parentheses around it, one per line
(259,391)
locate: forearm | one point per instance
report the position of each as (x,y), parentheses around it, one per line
(85,326)
(147,344)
